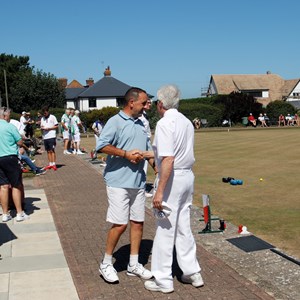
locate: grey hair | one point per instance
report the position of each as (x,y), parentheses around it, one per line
(4,112)
(169,95)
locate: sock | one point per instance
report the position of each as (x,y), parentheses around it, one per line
(133,260)
(50,163)
(107,259)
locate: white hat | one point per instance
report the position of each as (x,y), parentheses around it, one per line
(23,112)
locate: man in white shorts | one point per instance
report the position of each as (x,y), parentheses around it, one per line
(174,155)
(125,179)
(49,126)
(66,130)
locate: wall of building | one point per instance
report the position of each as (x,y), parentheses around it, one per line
(106,102)
(83,104)
(295,94)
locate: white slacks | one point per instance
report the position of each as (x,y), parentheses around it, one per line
(175,231)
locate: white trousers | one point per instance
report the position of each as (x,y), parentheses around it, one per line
(175,231)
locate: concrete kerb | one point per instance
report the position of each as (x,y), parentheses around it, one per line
(32,256)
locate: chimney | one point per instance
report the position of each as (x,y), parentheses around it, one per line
(107,71)
(269,72)
(90,82)
(63,82)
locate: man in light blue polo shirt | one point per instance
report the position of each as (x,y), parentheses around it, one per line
(10,168)
(124,138)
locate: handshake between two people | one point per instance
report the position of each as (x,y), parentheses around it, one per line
(135,156)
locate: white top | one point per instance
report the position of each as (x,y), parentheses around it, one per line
(22,124)
(16,123)
(174,136)
(75,121)
(261,118)
(146,124)
(97,127)
(49,122)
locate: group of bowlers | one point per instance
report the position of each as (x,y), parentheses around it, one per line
(126,142)
(70,127)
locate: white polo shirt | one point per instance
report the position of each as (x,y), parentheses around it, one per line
(49,122)
(174,136)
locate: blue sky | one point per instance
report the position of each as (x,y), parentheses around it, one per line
(152,43)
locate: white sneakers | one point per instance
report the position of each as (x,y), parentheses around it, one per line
(153,287)
(67,152)
(19,218)
(195,279)
(138,270)
(108,272)
(22,217)
(6,217)
(79,152)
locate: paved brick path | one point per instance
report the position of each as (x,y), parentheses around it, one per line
(77,197)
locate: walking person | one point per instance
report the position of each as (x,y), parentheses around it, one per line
(49,126)
(66,130)
(174,155)
(125,181)
(10,168)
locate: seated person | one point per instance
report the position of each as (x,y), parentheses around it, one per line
(281,120)
(267,119)
(196,123)
(297,120)
(262,121)
(252,120)
(289,120)
(25,158)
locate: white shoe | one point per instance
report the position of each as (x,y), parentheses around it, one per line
(195,279)
(153,287)
(138,270)
(148,195)
(79,152)
(22,217)
(108,272)
(6,217)
(67,152)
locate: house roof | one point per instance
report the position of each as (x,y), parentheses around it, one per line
(74,84)
(73,93)
(226,84)
(278,87)
(107,86)
(289,86)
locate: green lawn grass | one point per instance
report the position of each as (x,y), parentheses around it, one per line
(270,208)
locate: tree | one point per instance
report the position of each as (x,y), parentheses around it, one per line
(28,89)
(35,90)
(275,108)
(14,67)
(238,105)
